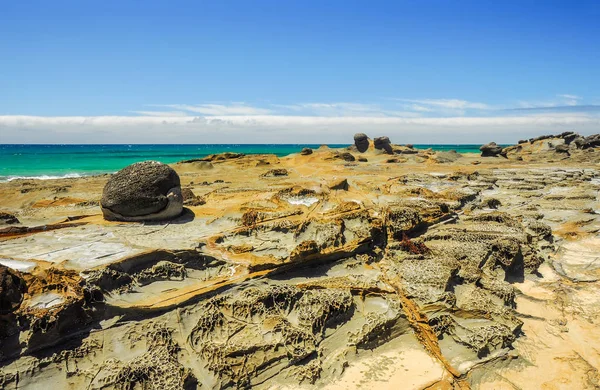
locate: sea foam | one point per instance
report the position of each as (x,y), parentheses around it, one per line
(4,179)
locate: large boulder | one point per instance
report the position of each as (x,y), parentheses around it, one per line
(383,143)
(490,150)
(361,141)
(12,287)
(144,191)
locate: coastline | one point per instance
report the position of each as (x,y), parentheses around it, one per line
(43,162)
(420,268)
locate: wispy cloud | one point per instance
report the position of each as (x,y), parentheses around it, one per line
(455,104)
(161,113)
(219,109)
(343,109)
(558,101)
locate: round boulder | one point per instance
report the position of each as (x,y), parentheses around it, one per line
(144,191)
(361,141)
(306,151)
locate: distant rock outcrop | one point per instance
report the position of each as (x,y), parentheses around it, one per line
(383,143)
(490,150)
(306,151)
(144,191)
(567,145)
(361,141)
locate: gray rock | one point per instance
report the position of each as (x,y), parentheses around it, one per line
(569,136)
(361,141)
(144,191)
(383,143)
(564,148)
(306,151)
(447,157)
(490,150)
(593,141)
(345,156)
(8,219)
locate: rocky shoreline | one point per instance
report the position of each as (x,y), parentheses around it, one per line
(376,265)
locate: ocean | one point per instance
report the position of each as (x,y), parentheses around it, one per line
(56,161)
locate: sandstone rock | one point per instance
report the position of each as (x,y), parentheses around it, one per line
(306,151)
(275,173)
(344,156)
(339,185)
(383,143)
(222,156)
(190,199)
(490,150)
(144,191)
(447,157)
(362,159)
(361,141)
(562,148)
(12,287)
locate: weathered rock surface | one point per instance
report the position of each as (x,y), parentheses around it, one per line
(361,141)
(417,275)
(12,287)
(384,144)
(145,191)
(490,150)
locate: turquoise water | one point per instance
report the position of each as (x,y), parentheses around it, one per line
(50,161)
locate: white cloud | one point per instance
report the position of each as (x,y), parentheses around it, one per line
(563,100)
(160,113)
(285,129)
(341,109)
(220,109)
(455,104)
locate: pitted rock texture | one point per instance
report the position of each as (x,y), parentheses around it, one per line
(144,191)
(419,274)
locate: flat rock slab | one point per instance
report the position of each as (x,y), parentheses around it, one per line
(579,260)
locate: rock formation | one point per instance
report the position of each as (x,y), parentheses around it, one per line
(12,288)
(490,150)
(427,273)
(145,191)
(383,143)
(361,141)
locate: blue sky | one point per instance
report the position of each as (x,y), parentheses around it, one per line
(262,70)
